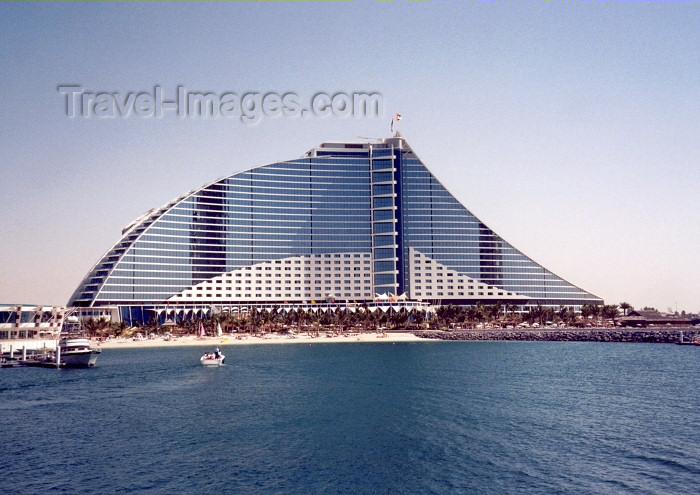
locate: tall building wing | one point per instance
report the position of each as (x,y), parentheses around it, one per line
(437,226)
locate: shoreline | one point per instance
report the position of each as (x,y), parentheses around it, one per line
(223,341)
(267,339)
(647,335)
(667,335)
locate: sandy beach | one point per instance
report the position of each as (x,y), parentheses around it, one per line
(226,340)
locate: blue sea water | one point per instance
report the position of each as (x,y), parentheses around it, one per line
(376,418)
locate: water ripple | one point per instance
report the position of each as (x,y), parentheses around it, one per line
(457,418)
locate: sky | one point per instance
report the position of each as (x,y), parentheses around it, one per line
(569,128)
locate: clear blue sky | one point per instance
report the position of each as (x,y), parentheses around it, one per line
(570,128)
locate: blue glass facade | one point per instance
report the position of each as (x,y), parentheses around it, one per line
(346,221)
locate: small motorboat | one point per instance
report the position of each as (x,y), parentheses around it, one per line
(215,358)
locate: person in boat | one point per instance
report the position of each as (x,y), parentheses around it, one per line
(217,353)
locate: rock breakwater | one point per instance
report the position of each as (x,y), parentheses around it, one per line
(655,335)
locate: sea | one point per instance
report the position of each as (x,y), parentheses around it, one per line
(359,418)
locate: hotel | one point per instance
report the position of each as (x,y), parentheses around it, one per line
(346,222)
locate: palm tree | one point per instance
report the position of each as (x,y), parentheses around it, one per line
(266,319)
(95,326)
(190,326)
(417,316)
(450,314)
(460,316)
(588,310)
(118,328)
(291,318)
(305,318)
(382,318)
(539,314)
(238,320)
(226,321)
(482,313)
(610,311)
(567,315)
(325,319)
(494,311)
(511,316)
(399,318)
(276,318)
(369,320)
(340,319)
(626,308)
(253,319)
(472,316)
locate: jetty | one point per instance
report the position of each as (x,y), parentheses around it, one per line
(27,356)
(29,359)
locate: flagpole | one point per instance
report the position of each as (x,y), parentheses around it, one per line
(396,118)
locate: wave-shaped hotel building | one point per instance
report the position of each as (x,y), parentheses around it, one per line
(347,221)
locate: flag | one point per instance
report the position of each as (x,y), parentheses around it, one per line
(397,117)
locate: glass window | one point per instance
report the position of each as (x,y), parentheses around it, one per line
(381,164)
(379,189)
(384,240)
(384,279)
(383,253)
(383,215)
(383,228)
(382,202)
(382,176)
(383,266)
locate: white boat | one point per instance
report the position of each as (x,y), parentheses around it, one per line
(215,358)
(76,352)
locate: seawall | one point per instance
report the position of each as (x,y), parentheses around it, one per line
(655,335)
